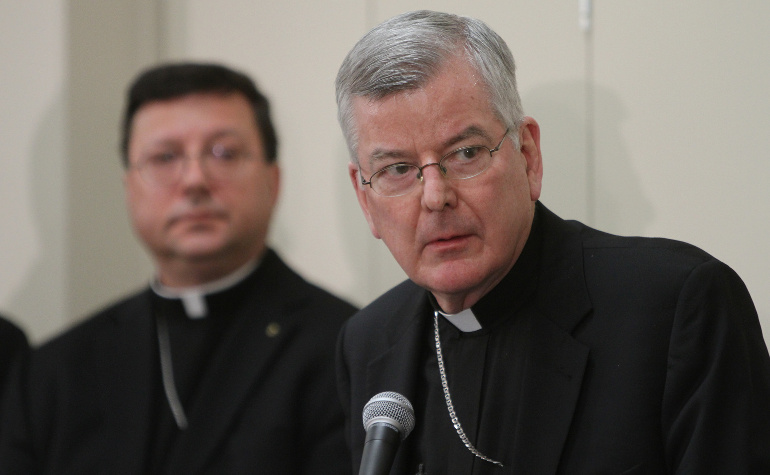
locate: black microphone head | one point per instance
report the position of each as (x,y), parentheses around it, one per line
(392,409)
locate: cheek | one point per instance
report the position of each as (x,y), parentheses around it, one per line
(144,217)
(496,204)
(511,189)
(145,211)
(251,206)
(397,227)
(390,218)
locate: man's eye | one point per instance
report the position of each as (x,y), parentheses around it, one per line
(225,152)
(398,169)
(468,153)
(163,158)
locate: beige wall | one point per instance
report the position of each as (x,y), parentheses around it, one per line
(33,163)
(654,123)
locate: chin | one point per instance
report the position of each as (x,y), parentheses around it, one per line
(449,281)
(201,250)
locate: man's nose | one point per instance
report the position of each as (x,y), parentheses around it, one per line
(437,190)
(194,169)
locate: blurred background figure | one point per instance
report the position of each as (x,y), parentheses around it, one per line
(224,364)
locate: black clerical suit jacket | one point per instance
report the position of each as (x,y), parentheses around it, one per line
(644,356)
(267,404)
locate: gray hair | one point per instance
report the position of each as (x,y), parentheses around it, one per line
(406,51)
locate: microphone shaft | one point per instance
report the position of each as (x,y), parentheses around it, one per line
(379,450)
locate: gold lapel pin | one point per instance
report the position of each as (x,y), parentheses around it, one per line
(272,329)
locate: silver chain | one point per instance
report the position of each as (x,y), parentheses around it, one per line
(445,385)
(167,374)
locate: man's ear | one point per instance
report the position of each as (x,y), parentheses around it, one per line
(363,197)
(529,139)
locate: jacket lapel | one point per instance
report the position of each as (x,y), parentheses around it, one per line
(550,390)
(124,377)
(396,369)
(556,361)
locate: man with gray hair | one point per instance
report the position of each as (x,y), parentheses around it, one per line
(527,344)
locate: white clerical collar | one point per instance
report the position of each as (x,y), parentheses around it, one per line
(194,298)
(465,321)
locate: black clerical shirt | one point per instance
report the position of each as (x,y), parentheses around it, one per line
(193,342)
(484,369)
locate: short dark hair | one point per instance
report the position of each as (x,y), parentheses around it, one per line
(174,80)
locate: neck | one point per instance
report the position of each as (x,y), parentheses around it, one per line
(211,286)
(453,303)
(185,274)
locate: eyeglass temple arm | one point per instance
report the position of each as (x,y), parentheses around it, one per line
(364,182)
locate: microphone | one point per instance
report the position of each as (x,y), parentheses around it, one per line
(388,419)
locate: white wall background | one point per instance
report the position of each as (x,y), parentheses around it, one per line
(654,123)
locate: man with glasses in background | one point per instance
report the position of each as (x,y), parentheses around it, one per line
(526,344)
(226,363)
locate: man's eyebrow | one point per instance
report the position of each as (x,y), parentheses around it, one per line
(172,141)
(225,133)
(381,154)
(470,132)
